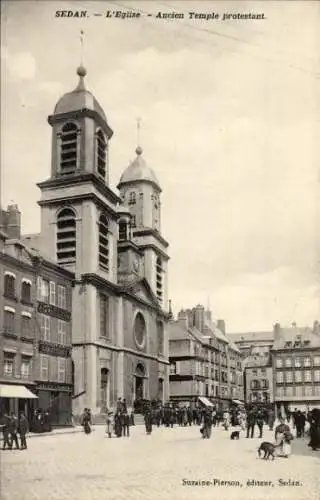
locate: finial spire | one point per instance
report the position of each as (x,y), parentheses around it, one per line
(81,70)
(139,148)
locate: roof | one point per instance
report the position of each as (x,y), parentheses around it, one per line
(292,334)
(138,170)
(234,347)
(79,98)
(210,325)
(252,336)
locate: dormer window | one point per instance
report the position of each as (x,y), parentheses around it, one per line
(101,153)
(68,152)
(132,198)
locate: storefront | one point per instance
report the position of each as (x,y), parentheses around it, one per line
(56,399)
(16,399)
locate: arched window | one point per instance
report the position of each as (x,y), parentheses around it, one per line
(159,279)
(103,243)
(66,237)
(123,231)
(68,155)
(132,198)
(26,292)
(101,152)
(139,330)
(160,337)
(9,285)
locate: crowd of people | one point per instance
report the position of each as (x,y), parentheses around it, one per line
(14,430)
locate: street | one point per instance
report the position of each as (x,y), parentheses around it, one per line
(171,463)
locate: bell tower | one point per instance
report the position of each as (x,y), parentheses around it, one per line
(77,204)
(140,191)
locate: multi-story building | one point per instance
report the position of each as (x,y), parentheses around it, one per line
(258,379)
(202,362)
(53,367)
(18,349)
(253,343)
(114,246)
(296,367)
(35,319)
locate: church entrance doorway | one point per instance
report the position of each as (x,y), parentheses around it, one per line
(140,375)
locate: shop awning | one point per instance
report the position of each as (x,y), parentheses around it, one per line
(238,402)
(205,401)
(16,391)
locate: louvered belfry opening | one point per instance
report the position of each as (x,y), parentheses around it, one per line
(103,243)
(66,237)
(68,155)
(101,154)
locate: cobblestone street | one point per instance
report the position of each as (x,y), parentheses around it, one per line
(80,467)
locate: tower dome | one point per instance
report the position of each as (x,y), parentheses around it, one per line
(80,98)
(137,171)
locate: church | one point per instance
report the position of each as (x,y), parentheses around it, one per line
(113,245)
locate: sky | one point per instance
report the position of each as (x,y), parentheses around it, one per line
(229,122)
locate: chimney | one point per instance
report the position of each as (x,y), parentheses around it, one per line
(316,328)
(277,331)
(221,325)
(190,316)
(13,228)
(183,318)
(198,312)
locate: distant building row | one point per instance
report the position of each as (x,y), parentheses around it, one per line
(282,366)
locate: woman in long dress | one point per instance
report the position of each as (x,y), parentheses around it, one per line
(283,438)
(86,421)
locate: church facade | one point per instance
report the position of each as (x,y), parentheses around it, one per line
(113,245)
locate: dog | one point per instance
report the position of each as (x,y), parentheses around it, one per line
(235,435)
(268,449)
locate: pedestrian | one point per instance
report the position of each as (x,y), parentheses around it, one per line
(148,421)
(271,419)
(109,424)
(283,438)
(126,424)
(260,422)
(300,422)
(118,424)
(314,432)
(251,422)
(86,421)
(13,430)
(23,428)
(5,432)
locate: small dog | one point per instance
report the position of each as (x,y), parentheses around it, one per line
(235,435)
(268,449)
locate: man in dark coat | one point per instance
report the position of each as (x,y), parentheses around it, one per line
(260,422)
(23,428)
(5,431)
(251,422)
(126,424)
(13,429)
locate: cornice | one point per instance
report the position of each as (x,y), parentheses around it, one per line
(125,245)
(151,232)
(78,178)
(81,197)
(17,263)
(133,182)
(80,114)
(139,354)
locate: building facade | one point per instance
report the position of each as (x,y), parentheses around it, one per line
(258,379)
(35,341)
(202,361)
(296,363)
(253,343)
(53,318)
(18,348)
(113,245)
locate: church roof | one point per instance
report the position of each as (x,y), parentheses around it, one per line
(79,98)
(138,170)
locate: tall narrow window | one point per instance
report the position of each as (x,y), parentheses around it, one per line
(26,292)
(9,322)
(132,198)
(68,155)
(66,237)
(123,231)
(104,315)
(52,293)
(62,297)
(101,154)
(9,285)
(159,279)
(103,243)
